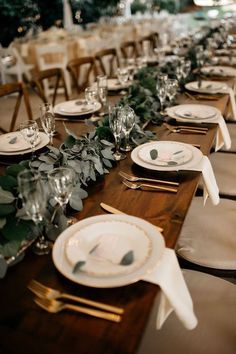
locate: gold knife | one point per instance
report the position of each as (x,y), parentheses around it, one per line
(112,210)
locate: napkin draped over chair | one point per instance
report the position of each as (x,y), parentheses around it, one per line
(215,306)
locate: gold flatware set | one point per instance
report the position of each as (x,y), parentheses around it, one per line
(185,129)
(47,299)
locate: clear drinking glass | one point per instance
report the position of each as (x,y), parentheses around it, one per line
(128,119)
(91,95)
(115,123)
(34,201)
(123,75)
(61,182)
(172,89)
(161,88)
(48,120)
(30,132)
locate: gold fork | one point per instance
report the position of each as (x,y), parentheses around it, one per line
(136,179)
(55,306)
(43,291)
(145,186)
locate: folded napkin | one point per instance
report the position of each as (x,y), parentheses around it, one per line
(210,187)
(230,92)
(175,295)
(222,135)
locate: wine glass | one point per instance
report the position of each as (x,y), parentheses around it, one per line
(172,89)
(91,95)
(123,75)
(34,201)
(102,90)
(161,90)
(115,123)
(48,120)
(61,182)
(30,132)
(128,119)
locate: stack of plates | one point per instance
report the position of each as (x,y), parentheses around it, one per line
(166,156)
(76,108)
(219,71)
(12,144)
(108,234)
(193,113)
(209,87)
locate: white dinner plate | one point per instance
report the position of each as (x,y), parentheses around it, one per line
(115,85)
(166,154)
(76,108)
(219,71)
(14,142)
(141,155)
(147,243)
(209,87)
(193,113)
(43,141)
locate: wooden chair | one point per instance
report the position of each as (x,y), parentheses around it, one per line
(20,90)
(129,49)
(107,62)
(214,302)
(207,240)
(56,77)
(148,43)
(52,56)
(82,71)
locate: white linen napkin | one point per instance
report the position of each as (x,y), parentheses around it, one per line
(230,91)
(175,295)
(222,135)
(209,182)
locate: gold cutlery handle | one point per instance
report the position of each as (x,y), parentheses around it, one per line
(146,185)
(192,131)
(192,127)
(99,305)
(158,181)
(95,313)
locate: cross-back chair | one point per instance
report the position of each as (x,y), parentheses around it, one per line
(129,49)
(56,77)
(148,43)
(82,71)
(107,61)
(20,91)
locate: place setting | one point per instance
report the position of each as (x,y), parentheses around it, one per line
(221,71)
(108,251)
(170,156)
(199,113)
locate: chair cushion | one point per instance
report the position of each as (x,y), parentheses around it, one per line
(224,167)
(232,133)
(208,235)
(214,302)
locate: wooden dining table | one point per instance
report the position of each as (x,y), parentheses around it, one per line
(26,328)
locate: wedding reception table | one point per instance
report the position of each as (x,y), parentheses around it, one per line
(26,327)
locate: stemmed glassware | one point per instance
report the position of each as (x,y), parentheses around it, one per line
(61,182)
(34,202)
(48,120)
(128,119)
(30,132)
(115,123)
(161,87)
(102,90)
(172,89)
(91,95)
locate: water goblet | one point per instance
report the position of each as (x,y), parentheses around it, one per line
(115,123)
(34,202)
(48,120)
(61,182)
(161,91)
(30,132)
(123,75)
(91,95)
(172,89)
(128,119)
